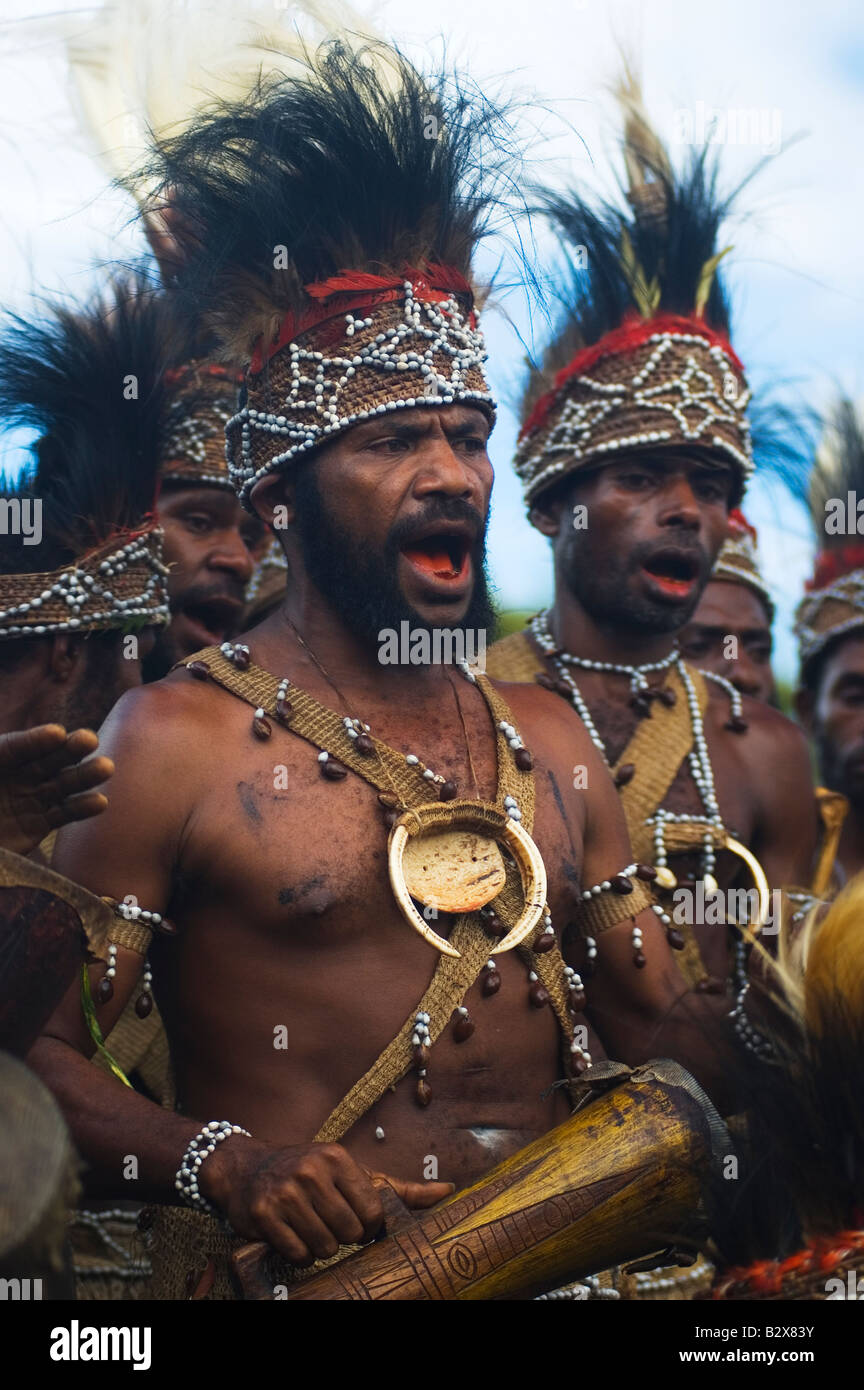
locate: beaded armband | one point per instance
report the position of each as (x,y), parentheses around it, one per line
(615,899)
(133,926)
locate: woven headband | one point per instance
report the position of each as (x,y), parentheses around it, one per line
(837,610)
(666,380)
(738,560)
(368,345)
(203,398)
(122,584)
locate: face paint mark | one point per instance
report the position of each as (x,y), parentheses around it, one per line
(562,813)
(249,802)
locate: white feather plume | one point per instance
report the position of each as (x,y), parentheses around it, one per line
(145,67)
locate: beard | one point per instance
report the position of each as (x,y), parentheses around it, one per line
(835,769)
(362,585)
(603,586)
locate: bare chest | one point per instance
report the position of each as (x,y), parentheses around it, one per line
(290,853)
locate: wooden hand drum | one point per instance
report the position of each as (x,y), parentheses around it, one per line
(623,1177)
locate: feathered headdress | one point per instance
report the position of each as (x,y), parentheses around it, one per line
(144,70)
(793,1223)
(87,381)
(738,560)
(834,603)
(141,69)
(641,355)
(327,227)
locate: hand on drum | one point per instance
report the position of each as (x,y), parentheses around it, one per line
(304,1202)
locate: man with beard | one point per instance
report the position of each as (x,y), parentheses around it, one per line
(267,792)
(634,448)
(730,631)
(830,630)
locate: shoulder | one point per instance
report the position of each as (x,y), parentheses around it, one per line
(544,716)
(772,755)
(764,723)
(165,720)
(513,658)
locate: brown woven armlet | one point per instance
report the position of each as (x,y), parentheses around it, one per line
(133,936)
(607,910)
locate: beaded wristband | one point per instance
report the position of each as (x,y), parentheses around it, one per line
(199,1148)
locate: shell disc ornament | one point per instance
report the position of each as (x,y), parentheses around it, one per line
(448,856)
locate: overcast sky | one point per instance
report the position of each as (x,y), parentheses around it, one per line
(796,272)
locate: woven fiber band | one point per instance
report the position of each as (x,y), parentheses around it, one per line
(738,561)
(203,400)
(407,351)
(829,613)
(121,584)
(600,914)
(658,384)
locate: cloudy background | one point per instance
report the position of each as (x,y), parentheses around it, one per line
(796,276)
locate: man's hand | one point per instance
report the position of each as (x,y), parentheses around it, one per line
(45,782)
(304,1202)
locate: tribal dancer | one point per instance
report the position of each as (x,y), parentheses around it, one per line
(830,630)
(730,631)
(86,379)
(291,806)
(88,495)
(144,68)
(80,609)
(209,542)
(635,446)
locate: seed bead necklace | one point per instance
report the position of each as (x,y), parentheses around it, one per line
(699,759)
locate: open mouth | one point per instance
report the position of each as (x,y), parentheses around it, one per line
(445,556)
(214,617)
(673,572)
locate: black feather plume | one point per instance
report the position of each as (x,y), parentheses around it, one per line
(648,252)
(360,163)
(87,380)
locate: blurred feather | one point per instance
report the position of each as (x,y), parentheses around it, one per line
(838,467)
(804,1170)
(356,162)
(143,69)
(87,381)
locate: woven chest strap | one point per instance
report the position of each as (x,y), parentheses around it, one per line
(452,977)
